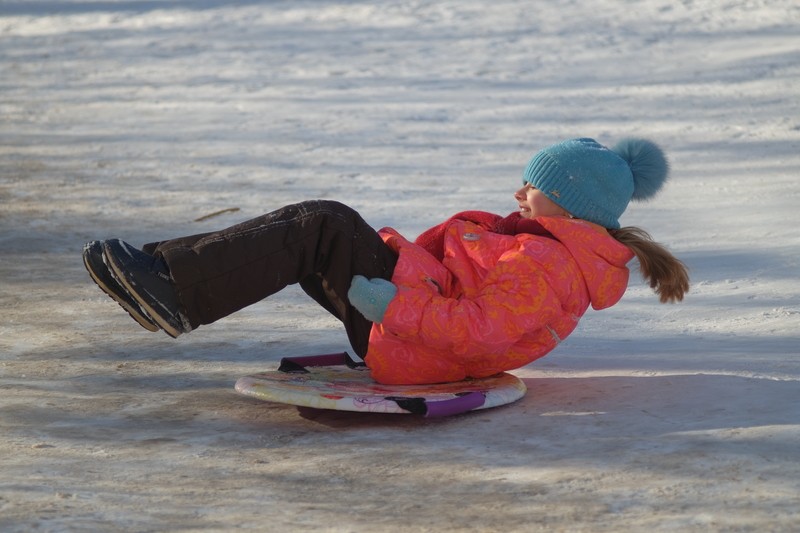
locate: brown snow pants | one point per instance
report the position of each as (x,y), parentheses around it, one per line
(319,244)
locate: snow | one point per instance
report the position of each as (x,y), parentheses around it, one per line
(134,119)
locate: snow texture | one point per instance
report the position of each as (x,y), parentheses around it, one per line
(134,119)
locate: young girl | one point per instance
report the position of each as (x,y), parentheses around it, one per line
(476,295)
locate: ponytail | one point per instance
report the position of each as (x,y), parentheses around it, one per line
(665,273)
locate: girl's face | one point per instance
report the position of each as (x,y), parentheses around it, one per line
(533,203)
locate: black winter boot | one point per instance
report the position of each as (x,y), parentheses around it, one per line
(147,280)
(99,271)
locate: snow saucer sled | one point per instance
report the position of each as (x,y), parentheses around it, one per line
(335,381)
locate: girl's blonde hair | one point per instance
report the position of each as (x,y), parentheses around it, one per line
(665,273)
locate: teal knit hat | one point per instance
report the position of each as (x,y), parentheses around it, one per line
(594,183)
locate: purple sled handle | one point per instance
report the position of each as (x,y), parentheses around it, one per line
(462,404)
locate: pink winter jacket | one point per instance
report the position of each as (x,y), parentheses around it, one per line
(494,302)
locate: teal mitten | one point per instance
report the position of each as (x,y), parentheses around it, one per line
(371,296)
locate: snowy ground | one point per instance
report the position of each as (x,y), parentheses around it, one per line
(133,119)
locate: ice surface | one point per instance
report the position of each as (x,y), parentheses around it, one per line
(135,119)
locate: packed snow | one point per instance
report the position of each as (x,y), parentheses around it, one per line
(152,119)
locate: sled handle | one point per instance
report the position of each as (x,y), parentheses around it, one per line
(455,406)
(461,404)
(298,364)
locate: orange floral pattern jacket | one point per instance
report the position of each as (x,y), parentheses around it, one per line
(494,302)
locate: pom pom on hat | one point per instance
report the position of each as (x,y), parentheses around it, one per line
(594,183)
(648,164)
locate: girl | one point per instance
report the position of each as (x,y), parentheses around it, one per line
(476,295)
